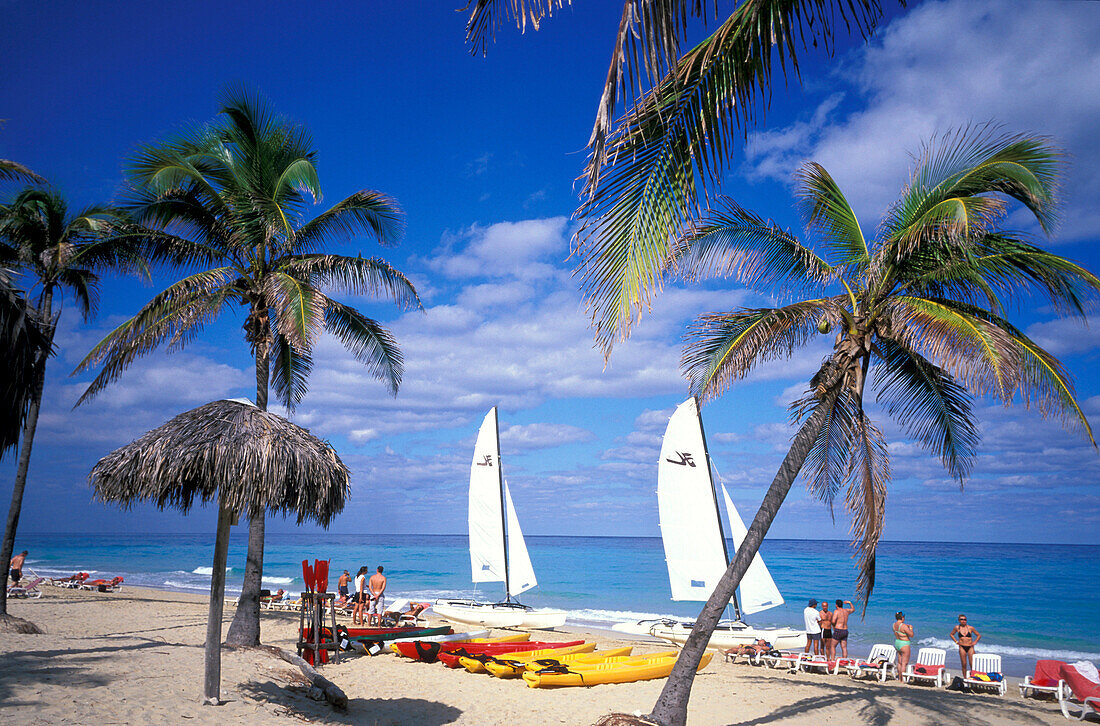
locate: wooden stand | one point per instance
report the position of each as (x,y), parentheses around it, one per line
(314,606)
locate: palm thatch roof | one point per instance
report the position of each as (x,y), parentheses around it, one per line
(256,459)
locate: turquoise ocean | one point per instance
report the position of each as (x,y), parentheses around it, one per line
(1028,601)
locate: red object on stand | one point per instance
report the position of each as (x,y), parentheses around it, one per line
(307,575)
(320,573)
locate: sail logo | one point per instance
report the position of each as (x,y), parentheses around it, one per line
(684,460)
(698,583)
(488,461)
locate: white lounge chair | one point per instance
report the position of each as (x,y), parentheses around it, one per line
(1047,680)
(879,664)
(987,664)
(789,660)
(30,590)
(929,668)
(817,663)
(1078,693)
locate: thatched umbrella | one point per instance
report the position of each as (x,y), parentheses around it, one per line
(247,460)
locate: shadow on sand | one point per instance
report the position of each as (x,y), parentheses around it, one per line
(382,711)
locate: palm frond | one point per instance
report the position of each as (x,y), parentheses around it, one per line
(720,348)
(488,15)
(931,405)
(84,285)
(866,499)
(297,307)
(732,241)
(14,171)
(357,275)
(363,213)
(826,211)
(642,180)
(290,369)
(827,464)
(370,343)
(1016,267)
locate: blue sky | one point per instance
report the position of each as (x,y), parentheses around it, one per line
(482,154)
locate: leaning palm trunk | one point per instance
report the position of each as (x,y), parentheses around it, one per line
(671,706)
(25,455)
(245,628)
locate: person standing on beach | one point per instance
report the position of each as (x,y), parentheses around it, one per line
(377,597)
(840,625)
(827,630)
(342,585)
(16,573)
(903,637)
(966,638)
(360,596)
(812,621)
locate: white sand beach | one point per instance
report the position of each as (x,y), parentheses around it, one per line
(135,657)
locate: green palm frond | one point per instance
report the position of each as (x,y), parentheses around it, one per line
(929,404)
(297,308)
(826,211)
(733,242)
(84,286)
(949,194)
(720,348)
(372,276)
(866,500)
(826,466)
(290,369)
(370,343)
(14,171)
(363,213)
(1016,267)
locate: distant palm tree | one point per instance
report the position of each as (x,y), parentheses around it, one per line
(918,311)
(56,253)
(232,197)
(24,350)
(653,168)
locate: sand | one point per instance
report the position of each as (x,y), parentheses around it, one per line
(135,657)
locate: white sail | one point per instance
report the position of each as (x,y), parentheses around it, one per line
(486,522)
(690,527)
(521,575)
(758,590)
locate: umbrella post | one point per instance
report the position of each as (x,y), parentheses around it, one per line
(213,658)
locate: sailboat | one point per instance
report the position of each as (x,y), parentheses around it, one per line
(498,552)
(695,544)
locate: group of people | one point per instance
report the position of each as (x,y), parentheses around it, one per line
(827,630)
(963,634)
(369,599)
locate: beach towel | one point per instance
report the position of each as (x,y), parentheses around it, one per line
(928,670)
(987,677)
(1088,670)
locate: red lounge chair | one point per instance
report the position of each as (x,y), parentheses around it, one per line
(1047,680)
(73,581)
(111,585)
(1078,692)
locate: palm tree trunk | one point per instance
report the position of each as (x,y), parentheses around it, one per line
(245,628)
(671,706)
(212,665)
(23,467)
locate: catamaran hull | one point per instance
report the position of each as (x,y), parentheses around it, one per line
(498,615)
(725,637)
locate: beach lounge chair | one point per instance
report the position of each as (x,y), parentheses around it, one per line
(789,659)
(929,668)
(986,674)
(30,590)
(879,664)
(271,602)
(1047,680)
(73,581)
(815,664)
(1078,693)
(112,585)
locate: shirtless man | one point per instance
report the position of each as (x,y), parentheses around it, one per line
(16,573)
(342,586)
(827,631)
(377,587)
(360,597)
(844,608)
(758,647)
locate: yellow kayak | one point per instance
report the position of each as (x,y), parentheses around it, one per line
(615,670)
(508,667)
(477,665)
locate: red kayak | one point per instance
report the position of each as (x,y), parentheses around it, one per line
(402,631)
(430,652)
(451,659)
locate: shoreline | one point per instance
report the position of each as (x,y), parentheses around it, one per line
(135,656)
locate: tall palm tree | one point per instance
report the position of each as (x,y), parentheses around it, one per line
(232,197)
(651,169)
(918,311)
(23,347)
(56,253)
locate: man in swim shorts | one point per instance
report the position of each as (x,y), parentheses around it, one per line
(812,620)
(377,587)
(827,630)
(844,608)
(16,573)
(342,585)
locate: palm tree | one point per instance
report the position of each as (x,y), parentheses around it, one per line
(918,310)
(23,346)
(650,170)
(232,197)
(58,253)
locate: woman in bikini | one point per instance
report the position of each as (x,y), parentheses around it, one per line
(966,638)
(903,637)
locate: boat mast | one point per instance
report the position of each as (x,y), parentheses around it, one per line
(714,494)
(503,504)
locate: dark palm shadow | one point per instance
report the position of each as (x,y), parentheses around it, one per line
(293,701)
(884,705)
